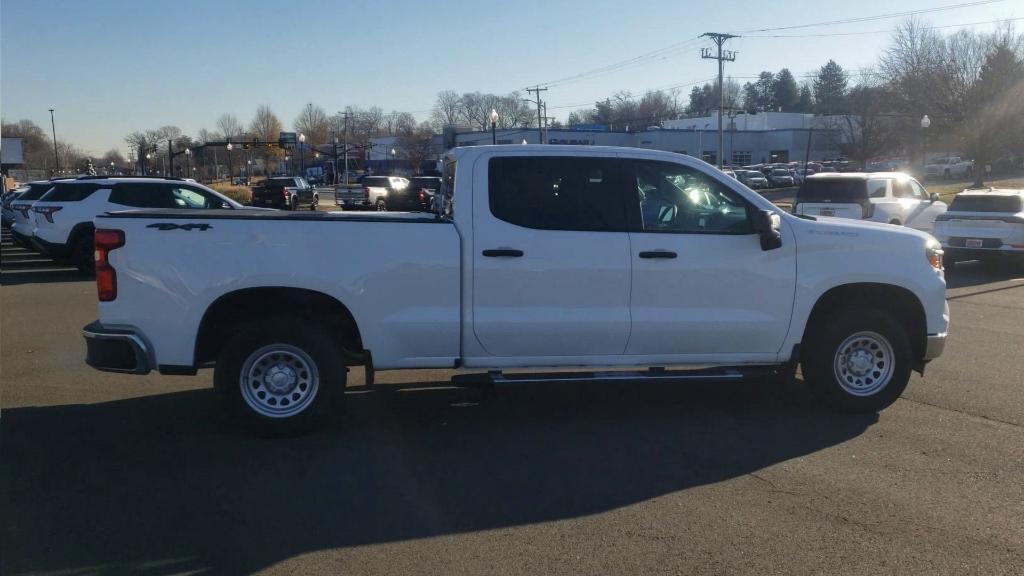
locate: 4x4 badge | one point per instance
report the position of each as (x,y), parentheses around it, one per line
(171,226)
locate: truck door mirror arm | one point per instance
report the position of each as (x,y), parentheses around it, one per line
(934,197)
(767,224)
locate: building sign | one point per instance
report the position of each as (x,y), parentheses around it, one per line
(572,141)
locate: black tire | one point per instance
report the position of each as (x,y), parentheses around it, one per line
(864,332)
(82,255)
(283,346)
(894,222)
(312,205)
(293,204)
(381,206)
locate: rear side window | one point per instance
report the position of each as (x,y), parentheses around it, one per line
(287,182)
(142,196)
(839,191)
(993,203)
(877,188)
(36,191)
(552,193)
(70,192)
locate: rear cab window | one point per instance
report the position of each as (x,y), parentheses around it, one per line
(36,191)
(987,203)
(833,190)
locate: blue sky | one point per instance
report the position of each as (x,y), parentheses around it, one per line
(110,67)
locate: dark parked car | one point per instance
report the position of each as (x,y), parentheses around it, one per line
(424,188)
(288,193)
(752,178)
(780,178)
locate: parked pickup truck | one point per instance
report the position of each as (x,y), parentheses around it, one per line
(951,167)
(608,259)
(285,192)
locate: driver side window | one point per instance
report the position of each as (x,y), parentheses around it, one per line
(189,198)
(680,199)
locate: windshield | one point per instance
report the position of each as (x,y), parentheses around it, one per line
(845,191)
(780,172)
(986,203)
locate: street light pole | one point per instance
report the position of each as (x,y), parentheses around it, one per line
(56,159)
(229,147)
(494,124)
(925,123)
(302,155)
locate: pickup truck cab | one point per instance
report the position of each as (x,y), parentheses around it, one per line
(887,197)
(380,193)
(285,192)
(603,258)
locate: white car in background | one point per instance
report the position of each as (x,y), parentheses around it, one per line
(887,197)
(982,225)
(951,167)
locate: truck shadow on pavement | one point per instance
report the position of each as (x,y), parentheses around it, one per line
(170,483)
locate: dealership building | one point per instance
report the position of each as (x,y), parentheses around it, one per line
(748,139)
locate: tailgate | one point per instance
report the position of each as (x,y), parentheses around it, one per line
(853,211)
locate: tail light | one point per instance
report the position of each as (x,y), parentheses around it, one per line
(46,211)
(366,193)
(284,193)
(23,208)
(423,194)
(106,278)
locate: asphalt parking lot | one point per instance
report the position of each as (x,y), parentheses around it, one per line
(105,473)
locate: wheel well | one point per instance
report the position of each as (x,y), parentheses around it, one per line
(235,308)
(899,302)
(78,231)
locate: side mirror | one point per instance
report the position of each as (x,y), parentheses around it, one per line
(768,225)
(934,197)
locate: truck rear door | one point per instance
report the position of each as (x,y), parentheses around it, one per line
(551,263)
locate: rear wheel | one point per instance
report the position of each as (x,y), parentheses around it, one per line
(312,205)
(858,360)
(282,375)
(381,206)
(293,204)
(82,254)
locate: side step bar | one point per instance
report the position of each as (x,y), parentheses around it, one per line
(651,374)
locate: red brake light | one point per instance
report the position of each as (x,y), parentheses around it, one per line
(423,194)
(46,211)
(366,192)
(106,278)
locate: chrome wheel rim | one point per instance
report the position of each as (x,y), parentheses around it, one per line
(279,381)
(864,363)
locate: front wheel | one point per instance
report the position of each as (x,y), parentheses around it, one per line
(283,375)
(381,206)
(858,360)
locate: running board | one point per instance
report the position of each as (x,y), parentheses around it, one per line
(652,374)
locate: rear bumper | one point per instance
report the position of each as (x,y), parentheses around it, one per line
(114,350)
(21,239)
(936,344)
(981,253)
(52,249)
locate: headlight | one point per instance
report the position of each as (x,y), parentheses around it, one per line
(933,251)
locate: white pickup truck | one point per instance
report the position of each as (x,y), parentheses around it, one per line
(951,167)
(621,263)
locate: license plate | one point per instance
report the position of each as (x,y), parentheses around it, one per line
(827,212)
(975,243)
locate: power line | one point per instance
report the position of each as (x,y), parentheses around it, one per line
(875,17)
(889,31)
(614,67)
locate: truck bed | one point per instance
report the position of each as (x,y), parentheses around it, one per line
(397,273)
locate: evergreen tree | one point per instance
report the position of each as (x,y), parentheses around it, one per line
(830,88)
(785,92)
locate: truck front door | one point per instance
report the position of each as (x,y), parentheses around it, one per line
(702,286)
(551,258)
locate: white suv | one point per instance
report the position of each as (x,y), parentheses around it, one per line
(888,197)
(982,225)
(64,215)
(23,220)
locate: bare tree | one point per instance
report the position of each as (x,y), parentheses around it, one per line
(312,121)
(416,146)
(229,126)
(448,109)
(266,126)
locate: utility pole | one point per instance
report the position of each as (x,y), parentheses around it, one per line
(540,113)
(344,128)
(56,160)
(722,57)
